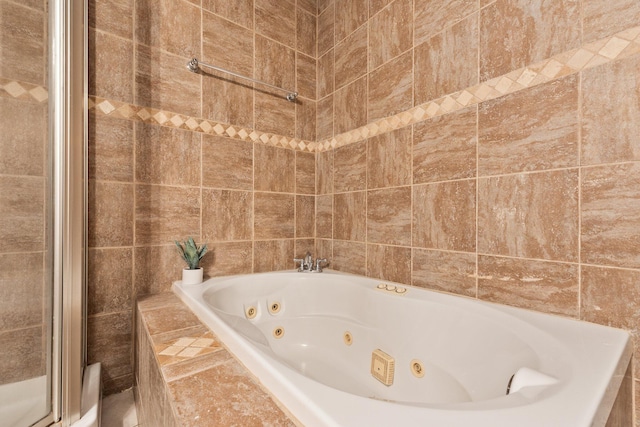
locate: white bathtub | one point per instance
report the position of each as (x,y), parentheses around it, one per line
(468,350)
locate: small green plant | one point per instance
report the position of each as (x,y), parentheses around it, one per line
(191,253)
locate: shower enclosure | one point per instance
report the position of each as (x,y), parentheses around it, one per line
(42,210)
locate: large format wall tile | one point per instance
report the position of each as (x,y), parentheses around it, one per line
(21,289)
(516,33)
(533,129)
(305,216)
(21,354)
(110,148)
(273,255)
(110,214)
(227,258)
(351,57)
(110,280)
(444,215)
(389,216)
(391,32)
(350,167)
(24,129)
(349,257)
(447,62)
(110,71)
(227,99)
(22,216)
(326,24)
(159,85)
(536,285)
(306,28)
(453,272)
(171,25)
(227,163)
(277,20)
(274,169)
(389,159)
(350,106)
(389,263)
(275,115)
(226,215)
(305,173)
(324,217)
(109,342)
(274,216)
(23,53)
(604,18)
(240,11)
(157,267)
(391,87)
(444,147)
(350,15)
(349,213)
(227,45)
(167,156)
(529,215)
(306,79)
(274,63)
(432,16)
(610,108)
(164,214)
(112,16)
(610,232)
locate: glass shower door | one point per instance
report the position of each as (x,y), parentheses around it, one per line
(25,212)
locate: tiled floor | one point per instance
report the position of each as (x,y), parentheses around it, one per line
(119,410)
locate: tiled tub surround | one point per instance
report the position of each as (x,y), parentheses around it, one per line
(460,253)
(159,168)
(186,377)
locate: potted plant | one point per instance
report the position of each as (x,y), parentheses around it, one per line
(191,254)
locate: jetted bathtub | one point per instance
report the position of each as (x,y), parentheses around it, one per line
(344,350)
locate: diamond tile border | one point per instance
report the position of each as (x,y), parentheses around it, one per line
(22,90)
(179,349)
(621,45)
(123,110)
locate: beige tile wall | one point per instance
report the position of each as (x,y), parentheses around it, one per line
(522,190)
(517,190)
(156,176)
(23,189)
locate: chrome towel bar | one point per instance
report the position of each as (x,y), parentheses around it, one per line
(194,67)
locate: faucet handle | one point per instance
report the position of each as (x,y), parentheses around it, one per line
(319,263)
(301,262)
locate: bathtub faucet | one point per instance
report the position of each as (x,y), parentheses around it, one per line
(307,265)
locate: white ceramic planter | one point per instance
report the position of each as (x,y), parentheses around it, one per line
(192,277)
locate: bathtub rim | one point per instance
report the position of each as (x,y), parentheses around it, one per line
(309,412)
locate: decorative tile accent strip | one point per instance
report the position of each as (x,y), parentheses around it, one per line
(621,45)
(22,90)
(149,115)
(186,348)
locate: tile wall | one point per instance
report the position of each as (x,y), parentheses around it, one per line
(23,189)
(174,154)
(485,148)
(490,149)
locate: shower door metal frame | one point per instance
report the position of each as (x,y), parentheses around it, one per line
(68,135)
